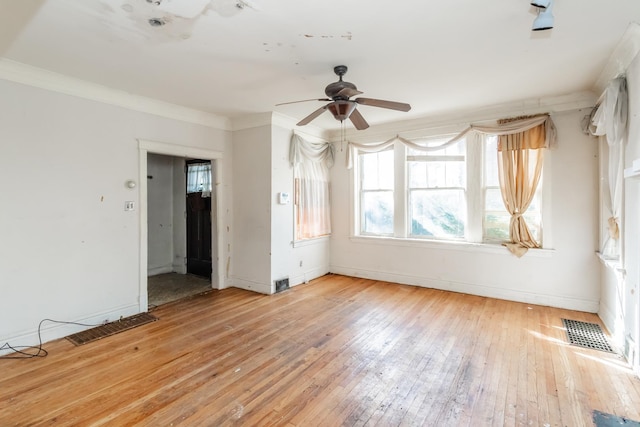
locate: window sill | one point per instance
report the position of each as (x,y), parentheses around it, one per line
(612,263)
(311,242)
(489,248)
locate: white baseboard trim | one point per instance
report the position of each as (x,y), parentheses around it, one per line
(516,295)
(51,331)
(250,285)
(308,276)
(154,271)
(179,268)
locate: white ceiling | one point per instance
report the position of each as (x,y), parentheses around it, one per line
(439,56)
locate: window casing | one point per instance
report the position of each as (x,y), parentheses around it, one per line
(452,194)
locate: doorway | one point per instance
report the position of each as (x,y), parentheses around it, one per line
(174,263)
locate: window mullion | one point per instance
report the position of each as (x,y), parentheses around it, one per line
(400,191)
(474,193)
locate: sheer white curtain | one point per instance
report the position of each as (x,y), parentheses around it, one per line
(609,123)
(312,196)
(199,178)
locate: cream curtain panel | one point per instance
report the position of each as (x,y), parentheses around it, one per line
(609,123)
(520,158)
(520,170)
(311,162)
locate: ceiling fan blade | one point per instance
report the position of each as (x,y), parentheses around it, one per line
(358,121)
(400,106)
(348,92)
(311,116)
(304,100)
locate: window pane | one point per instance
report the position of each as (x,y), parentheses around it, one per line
(491,162)
(437,213)
(417,174)
(377,170)
(496,225)
(445,174)
(377,212)
(493,200)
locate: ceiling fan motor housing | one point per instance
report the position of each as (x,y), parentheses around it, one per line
(333,89)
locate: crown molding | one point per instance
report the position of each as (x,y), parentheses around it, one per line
(454,122)
(38,77)
(276,119)
(625,52)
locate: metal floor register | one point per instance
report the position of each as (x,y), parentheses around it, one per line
(588,335)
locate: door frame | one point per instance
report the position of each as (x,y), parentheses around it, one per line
(156,147)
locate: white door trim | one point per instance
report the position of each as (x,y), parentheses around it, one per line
(156,147)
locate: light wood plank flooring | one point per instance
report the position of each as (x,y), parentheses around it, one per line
(337,351)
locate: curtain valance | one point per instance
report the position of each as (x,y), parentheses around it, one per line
(507,128)
(302,150)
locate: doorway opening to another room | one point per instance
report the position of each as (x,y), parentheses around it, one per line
(179,232)
(179,219)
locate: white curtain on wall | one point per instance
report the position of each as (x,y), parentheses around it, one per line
(199,178)
(312,196)
(609,123)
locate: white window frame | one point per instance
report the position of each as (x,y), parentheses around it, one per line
(361,192)
(475,202)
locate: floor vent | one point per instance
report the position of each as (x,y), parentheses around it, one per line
(282,285)
(588,335)
(112,328)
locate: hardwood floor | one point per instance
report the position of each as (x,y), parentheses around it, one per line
(337,351)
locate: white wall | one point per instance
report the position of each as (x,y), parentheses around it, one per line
(160,214)
(69,250)
(251,261)
(567,275)
(263,246)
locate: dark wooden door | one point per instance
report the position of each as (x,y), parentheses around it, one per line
(199,235)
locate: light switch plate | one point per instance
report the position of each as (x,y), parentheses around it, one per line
(284,198)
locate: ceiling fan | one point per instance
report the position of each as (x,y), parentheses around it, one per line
(344,108)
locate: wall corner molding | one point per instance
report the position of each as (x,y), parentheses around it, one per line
(44,79)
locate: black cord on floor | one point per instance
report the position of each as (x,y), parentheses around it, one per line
(31,351)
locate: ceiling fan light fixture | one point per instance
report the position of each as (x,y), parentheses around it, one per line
(544,20)
(341,110)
